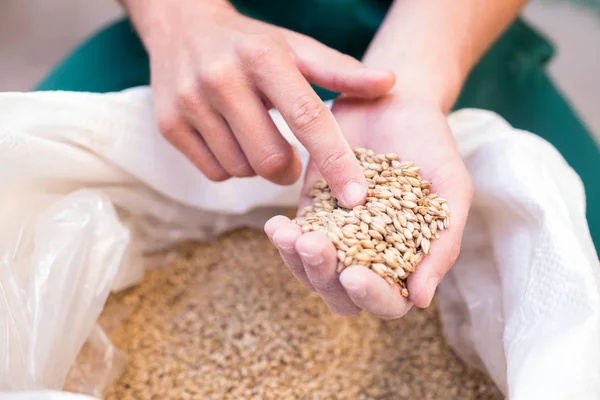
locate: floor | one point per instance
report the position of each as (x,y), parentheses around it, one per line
(35,34)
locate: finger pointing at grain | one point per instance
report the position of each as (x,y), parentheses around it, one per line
(393,231)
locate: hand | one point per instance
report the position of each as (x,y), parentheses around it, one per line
(418,132)
(215,73)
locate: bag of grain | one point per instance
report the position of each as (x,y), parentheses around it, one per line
(89,190)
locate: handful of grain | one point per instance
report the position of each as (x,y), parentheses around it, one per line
(392,232)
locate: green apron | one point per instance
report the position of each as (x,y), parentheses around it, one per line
(510,80)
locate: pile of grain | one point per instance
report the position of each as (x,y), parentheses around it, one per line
(393,231)
(226,320)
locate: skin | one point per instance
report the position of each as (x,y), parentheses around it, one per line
(215,74)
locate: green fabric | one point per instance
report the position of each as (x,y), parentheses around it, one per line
(584,5)
(110,61)
(510,80)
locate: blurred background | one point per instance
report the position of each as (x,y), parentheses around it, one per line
(36,34)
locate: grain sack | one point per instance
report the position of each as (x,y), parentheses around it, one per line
(90,187)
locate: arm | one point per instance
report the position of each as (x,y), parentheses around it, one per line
(432,45)
(216,72)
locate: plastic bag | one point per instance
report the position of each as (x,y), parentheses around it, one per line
(58,266)
(88,193)
(91,188)
(523,300)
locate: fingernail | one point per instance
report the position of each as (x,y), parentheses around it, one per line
(353,194)
(353,285)
(431,286)
(311,259)
(284,240)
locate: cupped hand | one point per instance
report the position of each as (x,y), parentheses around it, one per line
(418,132)
(215,74)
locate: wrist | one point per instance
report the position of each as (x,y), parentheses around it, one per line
(428,66)
(423,81)
(437,90)
(155,20)
(373,115)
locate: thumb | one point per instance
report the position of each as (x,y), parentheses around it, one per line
(338,72)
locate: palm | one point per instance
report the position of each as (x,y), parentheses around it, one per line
(420,134)
(417,133)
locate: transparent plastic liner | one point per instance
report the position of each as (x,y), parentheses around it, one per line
(57,270)
(97,365)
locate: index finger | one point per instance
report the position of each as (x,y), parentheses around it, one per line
(278,78)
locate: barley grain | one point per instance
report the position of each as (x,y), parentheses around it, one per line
(400,214)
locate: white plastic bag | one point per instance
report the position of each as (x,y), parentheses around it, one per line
(521,302)
(523,298)
(62,243)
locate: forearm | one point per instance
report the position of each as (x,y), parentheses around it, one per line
(154,19)
(432,45)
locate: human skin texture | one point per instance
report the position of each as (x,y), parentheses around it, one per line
(215,73)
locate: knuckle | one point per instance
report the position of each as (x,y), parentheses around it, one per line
(306,112)
(339,81)
(257,49)
(271,165)
(296,270)
(321,281)
(169,126)
(218,75)
(188,98)
(336,160)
